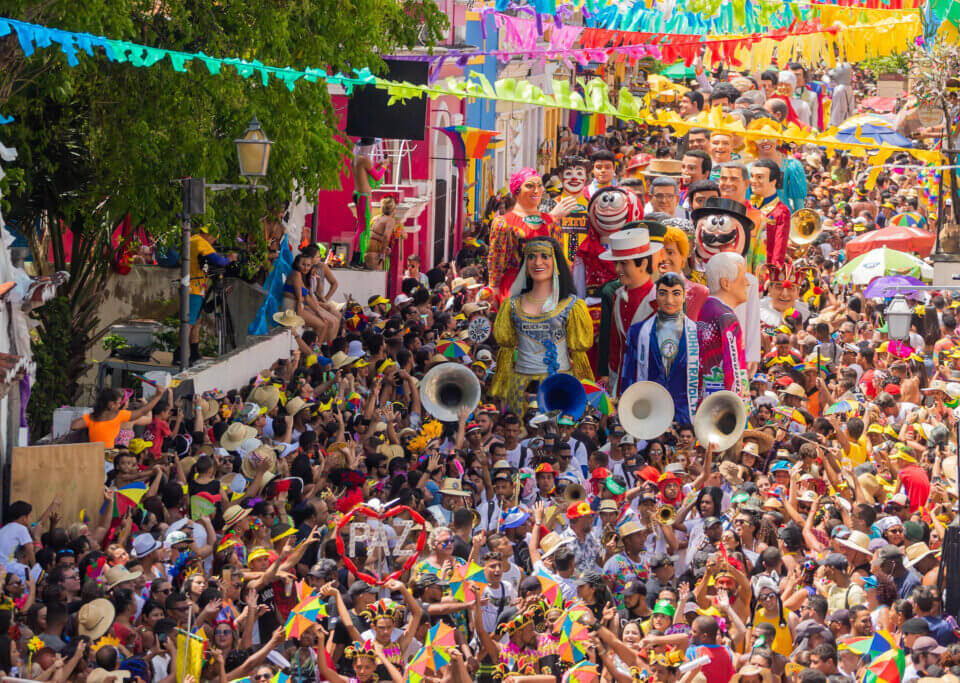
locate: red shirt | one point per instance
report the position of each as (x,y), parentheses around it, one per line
(917,484)
(156,433)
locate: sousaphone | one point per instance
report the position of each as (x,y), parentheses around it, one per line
(448,387)
(720,420)
(645,410)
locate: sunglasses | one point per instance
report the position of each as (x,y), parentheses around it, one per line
(262,677)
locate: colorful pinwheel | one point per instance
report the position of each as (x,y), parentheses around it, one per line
(597,397)
(450,348)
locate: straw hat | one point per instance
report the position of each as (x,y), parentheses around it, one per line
(857,541)
(95,618)
(119,574)
(235,435)
(453,487)
(342,360)
(795,390)
(917,552)
(672,168)
(763,439)
(265,395)
(288,318)
(255,458)
(234,514)
(550,543)
(295,405)
(732,472)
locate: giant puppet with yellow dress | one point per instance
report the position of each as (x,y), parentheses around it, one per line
(543,328)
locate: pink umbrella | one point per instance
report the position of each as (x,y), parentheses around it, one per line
(900,237)
(899,349)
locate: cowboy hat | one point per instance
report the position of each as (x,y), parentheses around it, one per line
(916,552)
(265,395)
(253,459)
(550,543)
(95,618)
(630,243)
(288,318)
(235,435)
(342,360)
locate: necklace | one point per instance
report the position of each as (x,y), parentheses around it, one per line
(531,299)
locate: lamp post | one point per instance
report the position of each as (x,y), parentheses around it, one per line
(253,156)
(898,315)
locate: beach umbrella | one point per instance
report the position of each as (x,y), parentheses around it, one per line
(871,129)
(597,397)
(891,285)
(910,219)
(450,348)
(904,238)
(879,262)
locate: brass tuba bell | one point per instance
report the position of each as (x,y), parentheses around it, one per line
(448,387)
(574,493)
(666,515)
(805,227)
(720,420)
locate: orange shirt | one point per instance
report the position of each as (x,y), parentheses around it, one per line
(106,431)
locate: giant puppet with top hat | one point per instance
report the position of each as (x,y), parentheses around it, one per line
(630,298)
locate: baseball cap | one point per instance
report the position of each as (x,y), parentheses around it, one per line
(915,626)
(834,561)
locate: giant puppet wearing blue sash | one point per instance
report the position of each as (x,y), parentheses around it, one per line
(665,349)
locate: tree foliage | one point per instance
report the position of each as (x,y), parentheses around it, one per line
(101,140)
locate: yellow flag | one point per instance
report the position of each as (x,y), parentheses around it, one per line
(190,648)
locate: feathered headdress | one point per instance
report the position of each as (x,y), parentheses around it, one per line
(381,608)
(358,649)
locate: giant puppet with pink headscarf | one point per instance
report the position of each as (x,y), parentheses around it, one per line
(509,231)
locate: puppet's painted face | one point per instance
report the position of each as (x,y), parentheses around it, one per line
(610,209)
(573,179)
(719,232)
(783,295)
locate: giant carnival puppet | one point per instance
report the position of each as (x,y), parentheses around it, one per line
(723,225)
(783,285)
(723,232)
(509,232)
(543,328)
(666,349)
(609,210)
(573,182)
(771,248)
(632,252)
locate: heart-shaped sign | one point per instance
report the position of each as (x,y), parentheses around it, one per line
(374,537)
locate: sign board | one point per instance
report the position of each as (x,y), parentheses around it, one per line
(72,471)
(891,85)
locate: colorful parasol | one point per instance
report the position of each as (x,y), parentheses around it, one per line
(441,635)
(842,407)
(886,668)
(355,401)
(882,641)
(891,285)
(584,672)
(597,397)
(450,348)
(911,219)
(459,582)
(871,128)
(304,615)
(549,589)
(128,497)
(898,349)
(574,638)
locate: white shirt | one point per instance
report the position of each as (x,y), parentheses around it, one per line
(498,599)
(12,536)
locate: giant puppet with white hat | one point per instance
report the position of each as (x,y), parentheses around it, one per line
(632,251)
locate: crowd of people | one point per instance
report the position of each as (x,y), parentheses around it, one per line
(345,517)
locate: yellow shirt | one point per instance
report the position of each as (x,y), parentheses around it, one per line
(199,247)
(857,453)
(782,641)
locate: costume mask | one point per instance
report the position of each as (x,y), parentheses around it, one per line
(721,225)
(573,179)
(610,209)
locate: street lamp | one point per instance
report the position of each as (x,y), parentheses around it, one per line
(253,151)
(253,155)
(898,315)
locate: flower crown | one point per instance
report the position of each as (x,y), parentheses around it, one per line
(381,608)
(358,649)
